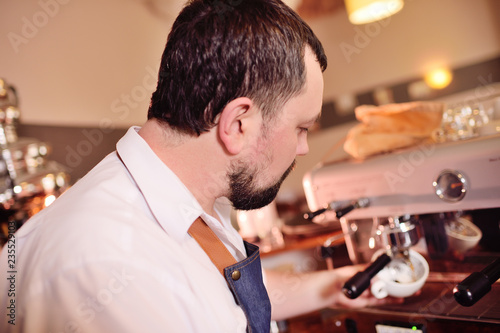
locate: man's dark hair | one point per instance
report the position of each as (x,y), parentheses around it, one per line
(220,50)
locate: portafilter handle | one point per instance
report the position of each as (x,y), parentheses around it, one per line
(476,285)
(399,235)
(361,280)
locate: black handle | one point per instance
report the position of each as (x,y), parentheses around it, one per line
(311,215)
(476,285)
(360,203)
(343,211)
(361,280)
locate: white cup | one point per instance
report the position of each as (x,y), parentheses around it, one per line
(401,278)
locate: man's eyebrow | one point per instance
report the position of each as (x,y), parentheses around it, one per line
(314,120)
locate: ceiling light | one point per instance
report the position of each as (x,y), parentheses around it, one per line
(366,11)
(438,78)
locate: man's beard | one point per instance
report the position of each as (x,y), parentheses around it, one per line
(244,195)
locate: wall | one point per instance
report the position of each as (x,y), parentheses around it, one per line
(81,63)
(425,34)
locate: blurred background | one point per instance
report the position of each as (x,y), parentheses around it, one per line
(84,70)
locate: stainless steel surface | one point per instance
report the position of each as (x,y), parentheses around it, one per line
(400,234)
(29,181)
(402,182)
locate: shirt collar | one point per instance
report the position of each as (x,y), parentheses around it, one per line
(172,204)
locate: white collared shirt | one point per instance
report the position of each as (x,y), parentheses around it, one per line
(112,254)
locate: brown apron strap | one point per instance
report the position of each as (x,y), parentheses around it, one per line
(212,245)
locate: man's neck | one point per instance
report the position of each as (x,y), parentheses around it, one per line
(198,162)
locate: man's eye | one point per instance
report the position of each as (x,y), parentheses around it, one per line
(304,129)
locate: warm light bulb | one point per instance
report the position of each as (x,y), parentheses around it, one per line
(438,78)
(366,11)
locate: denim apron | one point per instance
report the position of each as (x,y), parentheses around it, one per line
(245,281)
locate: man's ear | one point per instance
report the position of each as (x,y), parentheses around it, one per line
(236,121)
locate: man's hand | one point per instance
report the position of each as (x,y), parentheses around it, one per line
(365,299)
(294,294)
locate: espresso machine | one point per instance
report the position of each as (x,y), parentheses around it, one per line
(29,181)
(440,199)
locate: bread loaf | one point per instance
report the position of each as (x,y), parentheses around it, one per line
(392,126)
